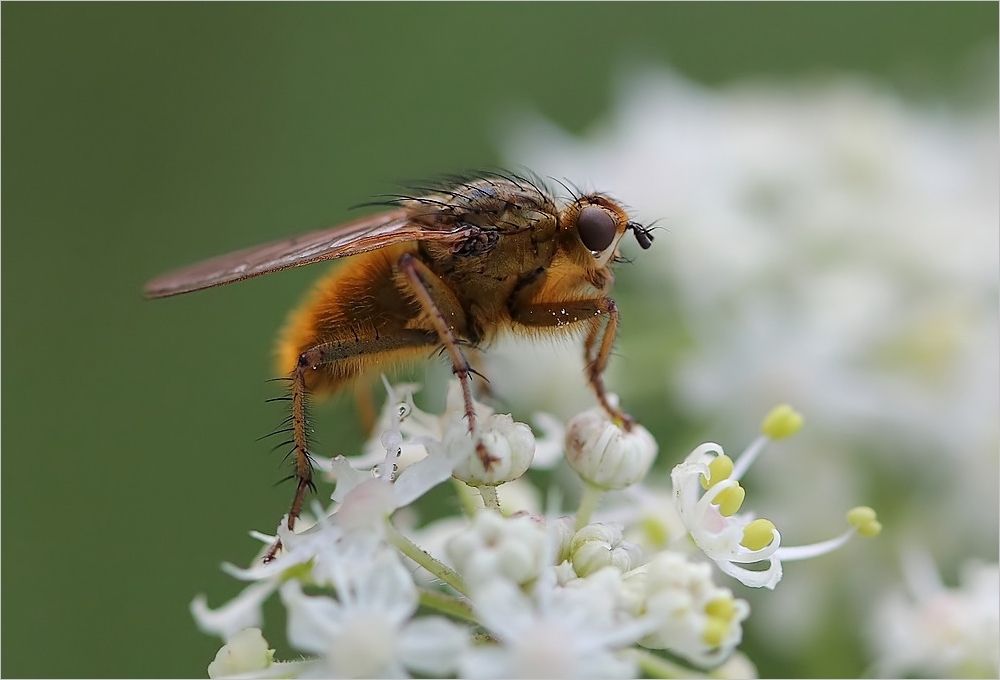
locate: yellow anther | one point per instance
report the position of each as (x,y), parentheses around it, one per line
(870,529)
(719,469)
(721,608)
(730,499)
(864,520)
(783,421)
(758,534)
(715,632)
(860,515)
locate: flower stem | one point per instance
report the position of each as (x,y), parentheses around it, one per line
(654,666)
(465,497)
(588,503)
(446,604)
(424,559)
(490,498)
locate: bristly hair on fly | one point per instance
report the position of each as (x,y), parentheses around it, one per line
(286,427)
(457,186)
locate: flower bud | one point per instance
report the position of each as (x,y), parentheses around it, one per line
(513,549)
(245,652)
(596,546)
(510,445)
(604,454)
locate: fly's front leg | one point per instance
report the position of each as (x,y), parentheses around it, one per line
(434,298)
(597,363)
(601,317)
(326,356)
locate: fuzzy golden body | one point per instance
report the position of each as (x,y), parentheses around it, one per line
(370,303)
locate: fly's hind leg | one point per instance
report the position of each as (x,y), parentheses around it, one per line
(446,315)
(323,356)
(601,317)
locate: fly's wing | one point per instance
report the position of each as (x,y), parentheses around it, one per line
(367,233)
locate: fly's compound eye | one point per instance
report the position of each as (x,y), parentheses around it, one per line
(597,228)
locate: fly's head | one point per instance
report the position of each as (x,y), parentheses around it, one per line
(593,226)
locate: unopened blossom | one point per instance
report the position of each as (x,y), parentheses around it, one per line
(245,651)
(509,445)
(513,549)
(605,454)
(596,546)
(246,654)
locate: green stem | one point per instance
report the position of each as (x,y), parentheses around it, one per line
(446,604)
(466,498)
(588,503)
(654,666)
(424,559)
(490,499)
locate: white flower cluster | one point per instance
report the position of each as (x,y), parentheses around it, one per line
(929,630)
(505,592)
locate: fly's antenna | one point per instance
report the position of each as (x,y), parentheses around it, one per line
(644,235)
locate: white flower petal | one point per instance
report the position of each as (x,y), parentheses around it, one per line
(432,646)
(347,477)
(486,662)
(312,621)
(767,578)
(243,611)
(503,608)
(388,587)
(366,506)
(422,476)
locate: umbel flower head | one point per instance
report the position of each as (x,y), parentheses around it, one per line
(505,592)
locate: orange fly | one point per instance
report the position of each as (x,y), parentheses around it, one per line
(449,269)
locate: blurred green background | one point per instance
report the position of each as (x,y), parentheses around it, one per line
(137,138)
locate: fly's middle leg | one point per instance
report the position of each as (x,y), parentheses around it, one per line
(445,314)
(601,318)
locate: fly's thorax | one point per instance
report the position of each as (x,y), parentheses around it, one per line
(511,226)
(487,271)
(502,204)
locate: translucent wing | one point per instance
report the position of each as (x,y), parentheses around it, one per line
(367,233)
